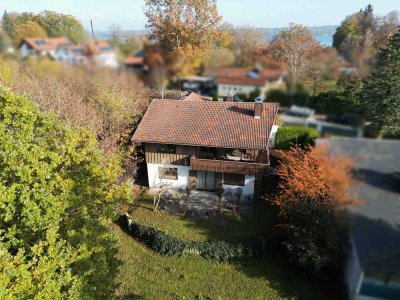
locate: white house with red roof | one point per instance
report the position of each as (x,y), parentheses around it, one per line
(237,80)
(39,47)
(207,145)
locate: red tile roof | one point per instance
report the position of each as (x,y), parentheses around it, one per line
(194,97)
(134,61)
(242,81)
(45,43)
(270,74)
(240,76)
(206,123)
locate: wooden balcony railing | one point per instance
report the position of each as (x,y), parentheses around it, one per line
(225,166)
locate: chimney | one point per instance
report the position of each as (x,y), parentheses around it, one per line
(229,97)
(258,107)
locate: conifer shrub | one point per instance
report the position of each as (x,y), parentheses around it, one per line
(213,250)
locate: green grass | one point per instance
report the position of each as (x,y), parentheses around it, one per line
(259,223)
(144,274)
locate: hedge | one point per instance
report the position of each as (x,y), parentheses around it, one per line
(221,251)
(287,137)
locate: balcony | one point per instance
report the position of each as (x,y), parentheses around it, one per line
(226,166)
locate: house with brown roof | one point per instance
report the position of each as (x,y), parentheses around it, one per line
(39,47)
(136,62)
(207,145)
(237,80)
(97,52)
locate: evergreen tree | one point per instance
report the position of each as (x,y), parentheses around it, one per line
(380,95)
(8,24)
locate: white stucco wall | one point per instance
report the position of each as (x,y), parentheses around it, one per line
(108,59)
(183,175)
(25,51)
(272,135)
(237,89)
(248,188)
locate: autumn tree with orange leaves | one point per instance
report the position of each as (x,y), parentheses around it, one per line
(313,196)
(186,29)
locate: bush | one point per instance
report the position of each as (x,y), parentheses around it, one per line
(287,137)
(221,251)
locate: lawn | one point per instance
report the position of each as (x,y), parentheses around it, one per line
(144,274)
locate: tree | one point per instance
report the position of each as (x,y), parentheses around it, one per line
(56,204)
(313,191)
(57,24)
(29,29)
(131,45)
(380,95)
(116,34)
(246,40)
(8,24)
(186,29)
(296,47)
(362,34)
(220,57)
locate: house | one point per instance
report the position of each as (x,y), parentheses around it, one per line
(73,54)
(99,53)
(373,269)
(136,62)
(207,145)
(39,47)
(245,81)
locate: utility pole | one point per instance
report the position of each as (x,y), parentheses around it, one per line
(91,25)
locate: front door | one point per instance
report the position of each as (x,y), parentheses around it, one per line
(205,180)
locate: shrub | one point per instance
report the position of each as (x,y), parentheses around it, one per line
(287,137)
(221,251)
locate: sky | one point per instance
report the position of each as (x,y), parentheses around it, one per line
(259,13)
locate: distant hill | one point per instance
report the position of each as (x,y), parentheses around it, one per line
(323,34)
(106,34)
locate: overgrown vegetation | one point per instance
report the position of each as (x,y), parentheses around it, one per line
(57,201)
(313,195)
(47,23)
(292,136)
(108,103)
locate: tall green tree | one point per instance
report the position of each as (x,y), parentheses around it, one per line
(8,24)
(56,201)
(380,95)
(57,24)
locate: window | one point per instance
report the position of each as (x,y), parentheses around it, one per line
(168,173)
(163,148)
(234,179)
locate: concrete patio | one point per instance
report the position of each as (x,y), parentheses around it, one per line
(204,204)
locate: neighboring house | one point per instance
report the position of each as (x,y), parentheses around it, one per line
(373,270)
(73,54)
(136,63)
(102,54)
(207,145)
(98,53)
(39,47)
(245,81)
